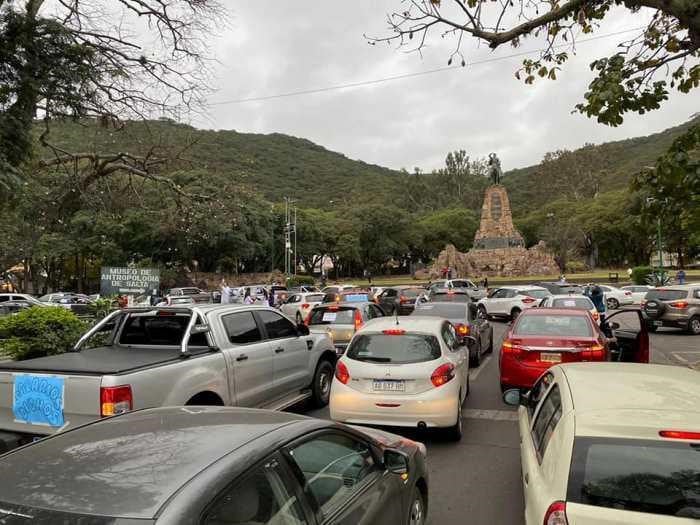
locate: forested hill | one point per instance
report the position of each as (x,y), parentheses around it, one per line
(278,165)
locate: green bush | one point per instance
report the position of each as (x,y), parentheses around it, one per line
(299,280)
(640,274)
(38,332)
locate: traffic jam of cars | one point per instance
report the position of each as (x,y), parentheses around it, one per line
(176,410)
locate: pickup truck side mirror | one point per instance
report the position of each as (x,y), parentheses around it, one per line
(302,329)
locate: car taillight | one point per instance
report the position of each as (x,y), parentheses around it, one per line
(596,316)
(305,306)
(443,374)
(679,304)
(511,348)
(115,400)
(556,514)
(679,434)
(593,353)
(529,300)
(394,331)
(341,373)
(462,329)
(307,321)
(358,320)
(403,299)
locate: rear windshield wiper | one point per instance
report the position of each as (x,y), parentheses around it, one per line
(375,359)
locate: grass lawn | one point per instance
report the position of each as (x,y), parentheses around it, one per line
(596,276)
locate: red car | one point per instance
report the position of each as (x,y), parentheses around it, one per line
(542,337)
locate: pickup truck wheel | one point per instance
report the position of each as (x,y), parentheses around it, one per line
(321,387)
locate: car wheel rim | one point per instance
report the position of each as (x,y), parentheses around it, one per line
(417,511)
(324,384)
(695,325)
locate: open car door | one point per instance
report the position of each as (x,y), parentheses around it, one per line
(631,338)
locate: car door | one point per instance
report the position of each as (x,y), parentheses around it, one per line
(388,300)
(249,357)
(290,354)
(267,494)
(344,480)
(481,328)
(537,480)
(291,306)
(496,304)
(630,343)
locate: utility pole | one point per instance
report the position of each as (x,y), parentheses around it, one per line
(658,242)
(289,228)
(295,240)
(272,239)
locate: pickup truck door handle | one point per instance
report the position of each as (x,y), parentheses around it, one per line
(279,350)
(242,357)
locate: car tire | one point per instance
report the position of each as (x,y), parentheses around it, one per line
(416,514)
(321,386)
(612,304)
(489,349)
(454,433)
(694,325)
(469,389)
(514,313)
(475,360)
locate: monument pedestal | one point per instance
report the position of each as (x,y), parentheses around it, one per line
(499,248)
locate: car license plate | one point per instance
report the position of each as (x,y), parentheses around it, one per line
(550,358)
(389,386)
(658,323)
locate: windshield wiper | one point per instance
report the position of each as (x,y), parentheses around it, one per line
(375,359)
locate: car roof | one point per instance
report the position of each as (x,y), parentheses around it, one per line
(568,296)
(522,287)
(555,311)
(130,465)
(410,323)
(633,400)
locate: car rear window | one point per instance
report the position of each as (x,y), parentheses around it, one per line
(453,297)
(538,294)
(398,349)
(317,298)
(655,477)
(553,325)
(448,311)
(333,315)
(158,330)
(666,295)
(579,303)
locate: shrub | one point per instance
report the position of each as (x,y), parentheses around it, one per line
(39,331)
(640,274)
(299,280)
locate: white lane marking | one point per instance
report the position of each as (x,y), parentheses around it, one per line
(493,415)
(474,372)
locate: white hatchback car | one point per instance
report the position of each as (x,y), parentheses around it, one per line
(411,374)
(574,301)
(611,443)
(638,291)
(298,305)
(510,301)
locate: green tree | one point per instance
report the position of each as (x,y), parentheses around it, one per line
(636,78)
(455,226)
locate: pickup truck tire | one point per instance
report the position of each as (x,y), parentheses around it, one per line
(321,386)
(206,399)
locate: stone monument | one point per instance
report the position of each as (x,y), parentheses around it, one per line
(499,248)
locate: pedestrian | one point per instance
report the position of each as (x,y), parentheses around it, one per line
(247,299)
(598,299)
(225,292)
(271,301)
(123,301)
(629,273)
(486,283)
(680,276)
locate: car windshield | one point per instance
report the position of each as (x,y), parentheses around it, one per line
(397,349)
(666,295)
(553,325)
(538,294)
(447,311)
(332,315)
(655,477)
(579,303)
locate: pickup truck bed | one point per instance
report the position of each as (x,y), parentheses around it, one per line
(99,361)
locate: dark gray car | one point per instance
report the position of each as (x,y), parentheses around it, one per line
(212,466)
(468,321)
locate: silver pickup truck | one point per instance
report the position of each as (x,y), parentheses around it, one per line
(235,355)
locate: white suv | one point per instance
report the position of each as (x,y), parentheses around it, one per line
(509,301)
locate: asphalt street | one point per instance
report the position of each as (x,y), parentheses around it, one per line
(477,480)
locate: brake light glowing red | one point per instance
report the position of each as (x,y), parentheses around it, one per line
(443,374)
(333,308)
(358,320)
(595,352)
(529,300)
(556,514)
(508,347)
(394,331)
(679,434)
(462,329)
(341,373)
(403,299)
(679,304)
(115,400)
(305,306)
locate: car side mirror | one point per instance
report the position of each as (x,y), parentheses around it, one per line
(302,329)
(512,397)
(396,462)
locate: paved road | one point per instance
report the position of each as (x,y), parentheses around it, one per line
(477,480)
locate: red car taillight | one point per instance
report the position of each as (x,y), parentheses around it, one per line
(443,374)
(358,320)
(508,347)
(679,304)
(529,300)
(115,400)
(462,329)
(305,306)
(341,373)
(680,434)
(593,353)
(556,514)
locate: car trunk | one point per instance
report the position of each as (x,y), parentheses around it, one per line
(544,351)
(391,379)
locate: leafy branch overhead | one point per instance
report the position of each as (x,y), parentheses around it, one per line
(662,56)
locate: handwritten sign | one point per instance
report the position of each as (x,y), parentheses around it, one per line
(38,399)
(130,281)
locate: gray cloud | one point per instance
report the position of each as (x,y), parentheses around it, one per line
(273,47)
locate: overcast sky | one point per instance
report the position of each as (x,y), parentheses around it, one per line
(271,47)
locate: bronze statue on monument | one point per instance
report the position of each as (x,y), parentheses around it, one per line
(495,171)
